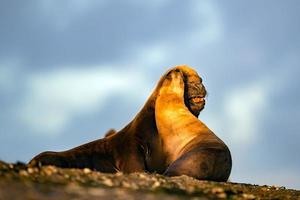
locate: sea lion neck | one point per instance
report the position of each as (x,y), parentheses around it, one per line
(176,125)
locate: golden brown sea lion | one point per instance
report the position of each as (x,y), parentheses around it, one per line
(165,137)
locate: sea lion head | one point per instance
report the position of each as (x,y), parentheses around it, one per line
(194,90)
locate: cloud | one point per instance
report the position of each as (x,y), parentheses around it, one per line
(62,14)
(209,29)
(8,74)
(241,111)
(52,99)
(206,29)
(244,107)
(152,4)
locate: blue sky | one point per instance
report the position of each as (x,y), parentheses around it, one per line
(71,70)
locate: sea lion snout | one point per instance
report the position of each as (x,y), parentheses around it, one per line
(194,90)
(195,94)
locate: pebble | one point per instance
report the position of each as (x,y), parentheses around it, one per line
(156,184)
(217,190)
(23,173)
(30,170)
(126,184)
(108,182)
(49,170)
(87,170)
(222,195)
(142,176)
(248,196)
(134,186)
(190,189)
(118,173)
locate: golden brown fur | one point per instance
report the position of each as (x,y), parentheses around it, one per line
(164,137)
(191,148)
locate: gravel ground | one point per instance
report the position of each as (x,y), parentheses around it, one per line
(17,181)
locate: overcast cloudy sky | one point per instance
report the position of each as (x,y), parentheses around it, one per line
(71,70)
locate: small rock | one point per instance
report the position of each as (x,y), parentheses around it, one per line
(134,186)
(49,170)
(23,172)
(87,170)
(248,196)
(222,195)
(279,188)
(153,179)
(190,189)
(30,170)
(142,176)
(217,190)
(108,182)
(156,184)
(118,173)
(126,184)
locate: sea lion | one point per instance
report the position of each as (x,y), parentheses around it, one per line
(146,143)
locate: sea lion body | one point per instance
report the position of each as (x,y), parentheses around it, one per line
(165,137)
